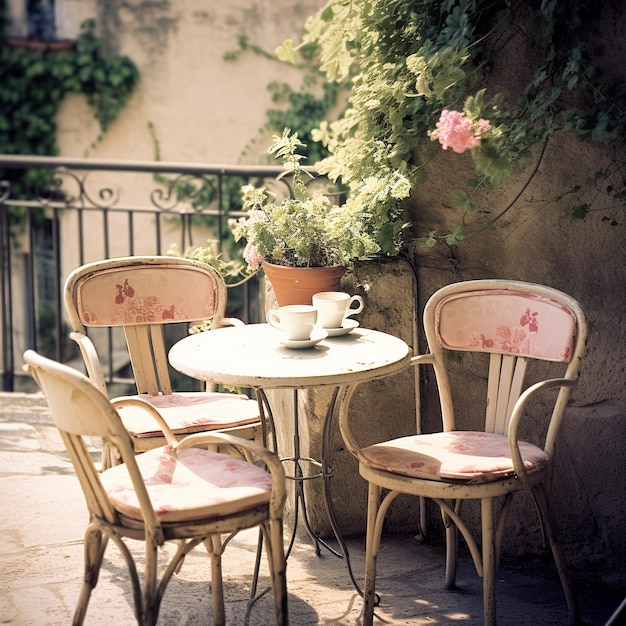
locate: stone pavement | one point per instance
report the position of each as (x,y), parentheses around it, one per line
(44,516)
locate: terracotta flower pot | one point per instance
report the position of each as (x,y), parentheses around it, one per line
(296,285)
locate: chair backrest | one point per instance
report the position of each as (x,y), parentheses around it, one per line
(79,409)
(513,322)
(141,295)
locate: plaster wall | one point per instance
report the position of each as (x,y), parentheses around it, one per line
(191,105)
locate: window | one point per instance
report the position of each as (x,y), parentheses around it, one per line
(41,19)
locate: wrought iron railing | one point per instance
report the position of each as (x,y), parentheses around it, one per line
(97,209)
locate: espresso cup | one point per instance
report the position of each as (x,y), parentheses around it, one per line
(295,320)
(334,306)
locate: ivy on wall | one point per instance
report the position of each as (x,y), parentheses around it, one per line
(302,109)
(413,60)
(33,84)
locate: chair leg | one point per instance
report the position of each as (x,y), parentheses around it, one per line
(540,494)
(214,548)
(489,562)
(452,550)
(274,548)
(372,544)
(94,547)
(151,600)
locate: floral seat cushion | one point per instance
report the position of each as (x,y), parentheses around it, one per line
(192,484)
(190,413)
(467,456)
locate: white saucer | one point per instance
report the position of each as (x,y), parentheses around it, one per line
(347,327)
(316,336)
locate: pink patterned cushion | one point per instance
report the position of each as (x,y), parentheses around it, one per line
(190,413)
(193,484)
(467,456)
(506,321)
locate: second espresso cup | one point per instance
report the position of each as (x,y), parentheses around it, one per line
(334,306)
(295,320)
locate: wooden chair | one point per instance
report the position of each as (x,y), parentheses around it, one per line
(142,295)
(515,324)
(180,492)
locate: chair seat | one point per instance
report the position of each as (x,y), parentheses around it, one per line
(191,412)
(189,485)
(466,456)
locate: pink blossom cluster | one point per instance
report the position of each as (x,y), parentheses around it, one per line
(456,131)
(250,253)
(251,256)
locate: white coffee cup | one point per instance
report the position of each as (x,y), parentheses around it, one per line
(334,306)
(295,320)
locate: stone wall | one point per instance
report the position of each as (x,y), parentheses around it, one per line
(535,241)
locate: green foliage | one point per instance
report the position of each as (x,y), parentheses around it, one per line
(32,86)
(606,183)
(304,229)
(301,109)
(410,60)
(230,270)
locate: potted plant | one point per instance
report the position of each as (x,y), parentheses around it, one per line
(302,237)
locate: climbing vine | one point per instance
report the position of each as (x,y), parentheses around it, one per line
(416,61)
(33,84)
(302,109)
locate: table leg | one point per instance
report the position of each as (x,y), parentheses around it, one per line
(299,478)
(332,415)
(338,397)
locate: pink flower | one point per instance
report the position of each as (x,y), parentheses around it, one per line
(256,216)
(251,256)
(456,131)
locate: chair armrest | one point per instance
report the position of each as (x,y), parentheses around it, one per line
(518,410)
(90,358)
(344,404)
(231,321)
(423,359)
(124,401)
(251,451)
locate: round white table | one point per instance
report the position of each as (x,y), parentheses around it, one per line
(252,356)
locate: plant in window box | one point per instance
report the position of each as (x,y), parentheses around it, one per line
(302,235)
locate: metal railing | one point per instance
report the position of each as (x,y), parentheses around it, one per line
(97,209)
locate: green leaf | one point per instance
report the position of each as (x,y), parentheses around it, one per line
(460,199)
(286,52)
(492,163)
(578,212)
(431,241)
(455,237)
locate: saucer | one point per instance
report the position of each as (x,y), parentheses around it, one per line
(347,327)
(316,336)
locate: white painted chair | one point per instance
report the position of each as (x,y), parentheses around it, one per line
(142,295)
(514,324)
(181,492)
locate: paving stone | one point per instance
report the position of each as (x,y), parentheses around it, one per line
(44,517)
